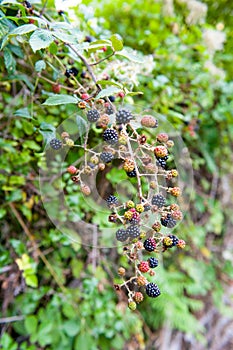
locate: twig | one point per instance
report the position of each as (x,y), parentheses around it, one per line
(11,319)
(102,59)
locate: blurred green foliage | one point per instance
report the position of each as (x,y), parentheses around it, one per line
(88,314)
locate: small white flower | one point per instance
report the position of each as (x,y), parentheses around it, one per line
(216,72)
(197,13)
(214,40)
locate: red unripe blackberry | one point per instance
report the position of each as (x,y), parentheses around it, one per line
(85,96)
(110,136)
(104,49)
(160,151)
(56,88)
(149,244)
(159,200)
(152,290)
(121,235)
(55,144)
(123,116)
(106,157)
(144,266)
(133,231)
(149,121)
(72,170)
(141,281)
(121,94)
(181,244)
(162,137)
(174,191)
(138,297)
(85,190)
(153,262)
(93,115)
(135,218)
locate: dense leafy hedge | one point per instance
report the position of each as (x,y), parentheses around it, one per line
(60,292)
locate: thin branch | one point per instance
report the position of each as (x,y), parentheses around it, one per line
(11,319)
(102,59)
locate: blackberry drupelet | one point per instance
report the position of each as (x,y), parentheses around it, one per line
(133,231)
(153,262)
(112,200)
(158,200)
(55,144)
(110,136)
(132,173)
(93,115)
(168,221)
(149,244)
(121,235)
(123,116)
(106,157)
(109,110)
(152,290)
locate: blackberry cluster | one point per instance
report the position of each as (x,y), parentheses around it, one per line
(121,235)
(112,200)
(158,200)
(162,162)
(133,231)
(110,136)
(93,115)
(123,116)
(55,144)
(153,262)
(132,173)
(149,244)
(106,157)
(152,290)
(168,221)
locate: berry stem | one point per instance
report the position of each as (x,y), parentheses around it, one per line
(103,59)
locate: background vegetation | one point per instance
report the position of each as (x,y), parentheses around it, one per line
(57,294)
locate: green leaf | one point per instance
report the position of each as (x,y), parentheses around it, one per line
(83,341)
(99,44)
(109,82)
(24,29)
(117,42)
(40,65)
(131,55)
(48,131)
(9,61)
(71,327)
(4,29)
(30,324)
(31,281)
(23,112)
(82,124)
(40,39)
(2,212)
(108,91)
(66,38)
(60,100)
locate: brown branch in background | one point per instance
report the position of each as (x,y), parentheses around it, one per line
(11,319)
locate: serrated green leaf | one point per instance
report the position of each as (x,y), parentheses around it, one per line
(31,281)
(99,44)
(130,55)
(24,29)
(40,39)
(108,91)
(117,42)
(60,100)
(4,29)
(9,61)
(40,65)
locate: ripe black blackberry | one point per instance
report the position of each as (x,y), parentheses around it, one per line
(106,157)
(131,173)
(168,221)
(121,235)
(152,290)
(162,162)
(175,240)
(158,200)
(55,144)
(109,110)
(112,98)
(73,71)
(133,231)
(112,200)
(110,136)
(123,116)
(147,207)
(93,115)
(149,244)
(153,262)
